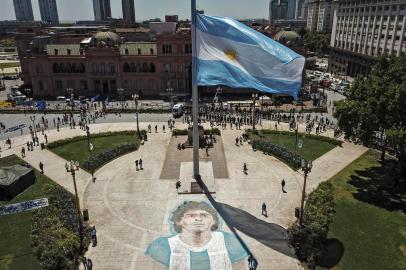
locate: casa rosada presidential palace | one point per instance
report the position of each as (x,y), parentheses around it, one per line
(93,60)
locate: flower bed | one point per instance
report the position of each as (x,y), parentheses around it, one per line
(283,153)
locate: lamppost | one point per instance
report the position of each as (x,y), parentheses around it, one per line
(70,91)
(120,92)
(136,97)
(169,90)
(296,135)
(254,99)
(32,117)
(306,168)
(90,146)
(72,167)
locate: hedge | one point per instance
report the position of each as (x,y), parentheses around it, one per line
(281,152)
(54,231)
(304,135)
(98,160)
(112,110)
(62,142)
(184,132)
(309,240)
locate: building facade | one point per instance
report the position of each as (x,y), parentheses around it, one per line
(128,11)
(102,10)
(320,15)
(278,9)
(364,30)
(49,11)
(23,10)
(100,63)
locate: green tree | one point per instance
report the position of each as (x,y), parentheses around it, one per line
(317,41)
(375,110)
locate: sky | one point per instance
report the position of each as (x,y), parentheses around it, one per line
(72,10)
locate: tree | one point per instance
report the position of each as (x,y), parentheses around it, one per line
(317,41)
(374,112)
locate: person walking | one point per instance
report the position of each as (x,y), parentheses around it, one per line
(178,184)
(84,262)
(46,139)
(283,183)
(89,264)
(23,152)
(252,262)
(41,167)
(136,164)
(245,169)
(156,128)
(140,162)
(264,212)
(93,233)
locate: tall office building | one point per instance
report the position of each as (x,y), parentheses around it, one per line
(128,11)
(278,9)
(102,10)
(49,11)
(23,10)
(320,15)
(291,9)
(364,30)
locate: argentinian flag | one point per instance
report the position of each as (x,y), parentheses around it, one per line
(231,53)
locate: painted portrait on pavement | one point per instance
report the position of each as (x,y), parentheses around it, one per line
(197,243)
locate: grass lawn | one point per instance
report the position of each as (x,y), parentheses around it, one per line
(79,150)
(15,229)
(370,219)
(9,65)
(311,150)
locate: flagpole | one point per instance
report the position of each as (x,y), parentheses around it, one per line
(195,97)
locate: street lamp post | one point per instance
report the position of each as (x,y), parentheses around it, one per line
(169,90)
(306,168)
(72,167)
(136,97)
(32,117)
(254,98)
(89,145)
(120,92)
(70,91)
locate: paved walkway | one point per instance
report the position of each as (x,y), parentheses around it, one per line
(131,208)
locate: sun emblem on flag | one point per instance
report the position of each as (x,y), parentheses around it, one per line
(231,54)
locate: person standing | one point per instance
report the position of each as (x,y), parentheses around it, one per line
(46,139)
(140,162)
(89,264)
(93,233)
(84,262)
(23,152)
(41,167)
(264,211)
(283,183)
(136,164)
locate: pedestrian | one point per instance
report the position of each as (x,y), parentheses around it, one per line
(163,128)
(156,128)
(283,183)
(264,212)
(207,150)
(178,184)
(236,141)
(245,169)
(84,262)
(252,262)
(23,152)
(89,264)
(93,233)
(8,141)
(140,162)
(46,139)
(136,164)
(41,167)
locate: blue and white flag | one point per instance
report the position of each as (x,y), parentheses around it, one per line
(95,98)
(231,53)
(106,101)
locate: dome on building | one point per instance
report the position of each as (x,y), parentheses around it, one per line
(286,36)
(108,37)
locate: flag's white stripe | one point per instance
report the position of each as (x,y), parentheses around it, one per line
(250,58)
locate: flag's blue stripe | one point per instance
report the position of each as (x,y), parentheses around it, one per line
(222,73)
(217,27)
(239,32)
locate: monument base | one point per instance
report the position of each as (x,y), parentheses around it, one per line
(189,185)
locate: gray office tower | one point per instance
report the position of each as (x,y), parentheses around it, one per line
(23,10)
(102,10)
(49,11)
(128,11)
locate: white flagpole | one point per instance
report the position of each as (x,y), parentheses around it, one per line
(195,97)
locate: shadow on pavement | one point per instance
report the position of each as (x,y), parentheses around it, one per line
(269,234)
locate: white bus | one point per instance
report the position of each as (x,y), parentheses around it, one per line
(177,110)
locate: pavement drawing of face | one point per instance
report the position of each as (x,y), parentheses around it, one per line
(196,221)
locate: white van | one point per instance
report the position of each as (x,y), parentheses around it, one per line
(177,110)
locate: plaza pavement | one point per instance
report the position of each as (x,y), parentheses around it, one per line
(131,208)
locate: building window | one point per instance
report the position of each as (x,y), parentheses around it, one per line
(167,68)
(58,84)
(139,51)
(126,51)
(41,85)
(167,49)
(68,51)
(152,67)
(151,51)
(188,48)
(126,67)
(56,51)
